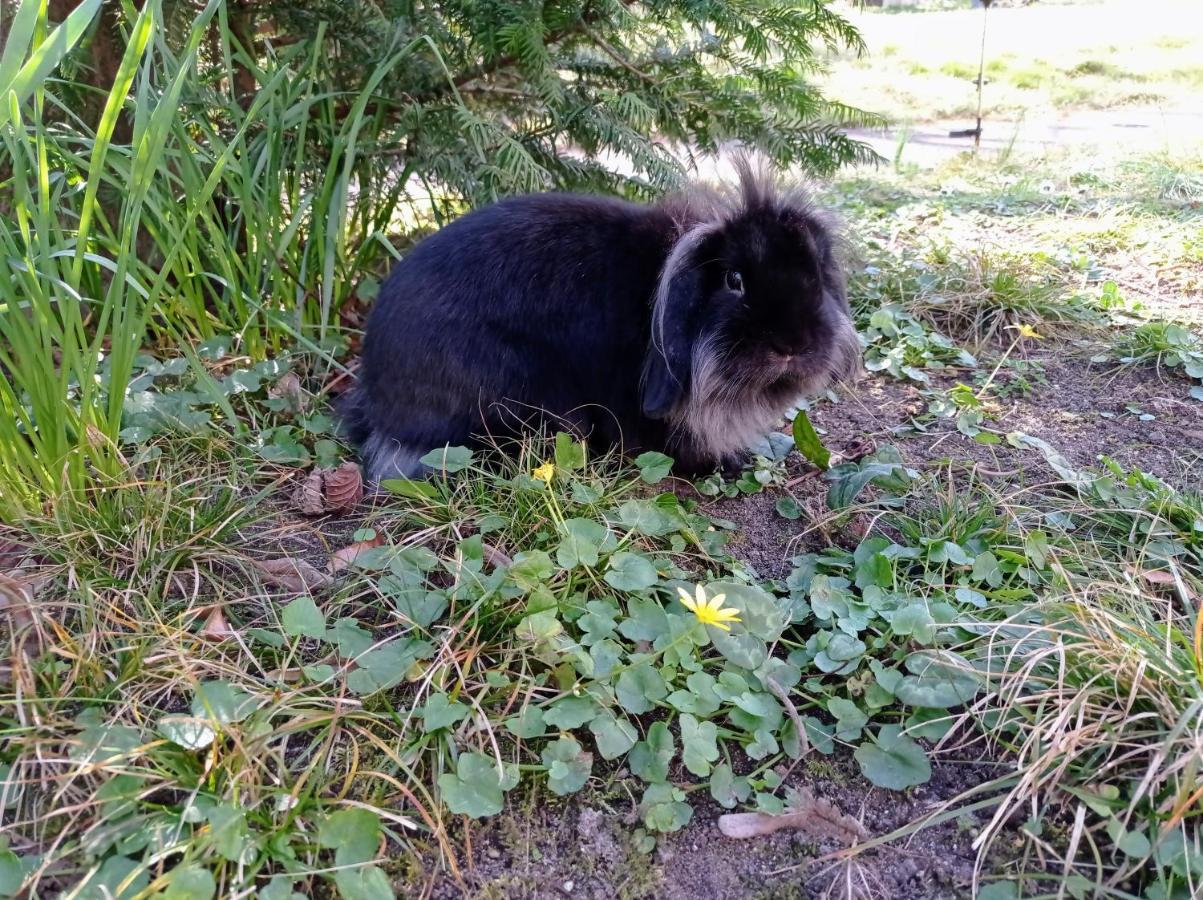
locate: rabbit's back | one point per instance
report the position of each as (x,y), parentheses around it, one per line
(537,303)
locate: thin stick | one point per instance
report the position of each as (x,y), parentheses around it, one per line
(981,78)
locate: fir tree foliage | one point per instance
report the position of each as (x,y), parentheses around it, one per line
(503,96)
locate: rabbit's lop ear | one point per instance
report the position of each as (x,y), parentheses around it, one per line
(667,371)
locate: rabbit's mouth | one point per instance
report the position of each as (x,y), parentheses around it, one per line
(790,366)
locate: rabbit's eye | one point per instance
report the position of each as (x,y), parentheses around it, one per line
(735,281)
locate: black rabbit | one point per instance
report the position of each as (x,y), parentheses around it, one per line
(689,326)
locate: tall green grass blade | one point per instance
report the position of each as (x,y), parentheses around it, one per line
(47,55)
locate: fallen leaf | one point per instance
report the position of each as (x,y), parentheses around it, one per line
(344,488)
(345,556)
(12,554)
(216,627)
(1158,576)
(336,490)
(495,557)
(293,574)
(310,495)
(289,389)
(817,817)
(16,601)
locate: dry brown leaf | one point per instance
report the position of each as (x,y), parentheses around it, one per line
(292,574)
(216,628)
(335,490)
(289,389)
(817,817)
(495,557)
(16,601)
(344,488)
(345,556)
(1158,576)
(12,554)
(309,497)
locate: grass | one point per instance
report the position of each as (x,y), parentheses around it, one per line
(1040,61)
(206,694)
(262,253)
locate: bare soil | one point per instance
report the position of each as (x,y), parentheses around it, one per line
(547,848)
(1087,411)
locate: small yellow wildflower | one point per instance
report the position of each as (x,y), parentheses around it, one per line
(709,611)
(1027,331)
(545,472)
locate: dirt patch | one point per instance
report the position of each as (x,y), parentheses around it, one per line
(1087,411)
(545,848)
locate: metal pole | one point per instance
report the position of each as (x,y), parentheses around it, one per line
(981,77)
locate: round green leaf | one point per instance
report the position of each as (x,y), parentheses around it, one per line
(568,766)
(302,618)
(894,760)
(630,572)
(474,789)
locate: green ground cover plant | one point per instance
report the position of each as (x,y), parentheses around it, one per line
(204,693)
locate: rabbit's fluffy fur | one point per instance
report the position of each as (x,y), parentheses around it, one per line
(688,326)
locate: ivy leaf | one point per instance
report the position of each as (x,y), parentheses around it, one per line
(894,760)
(664,808)
(409,488)
(385,666)
(570,453)
(581,543)
(302,618)
(630,572)
(113,881)
(440,712)
(531,568)
(189,732)
(788,508)
(914,620)
(645,517)
(12,873)
(475,788)
(190,882)
(646,620)
(650,758)
(850,719)
(448,459)
(940,679)
(727,788)
(228,831)
(364,883)
(571,712)
(223,703)
(568,766)
(653,467)
(699,746)
(353,834)
(639,688)
(614,736)
(806,439)
(351,638)
(527,724)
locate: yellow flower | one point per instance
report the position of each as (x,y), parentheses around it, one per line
(709,612)
(1027,331)
(545,472)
